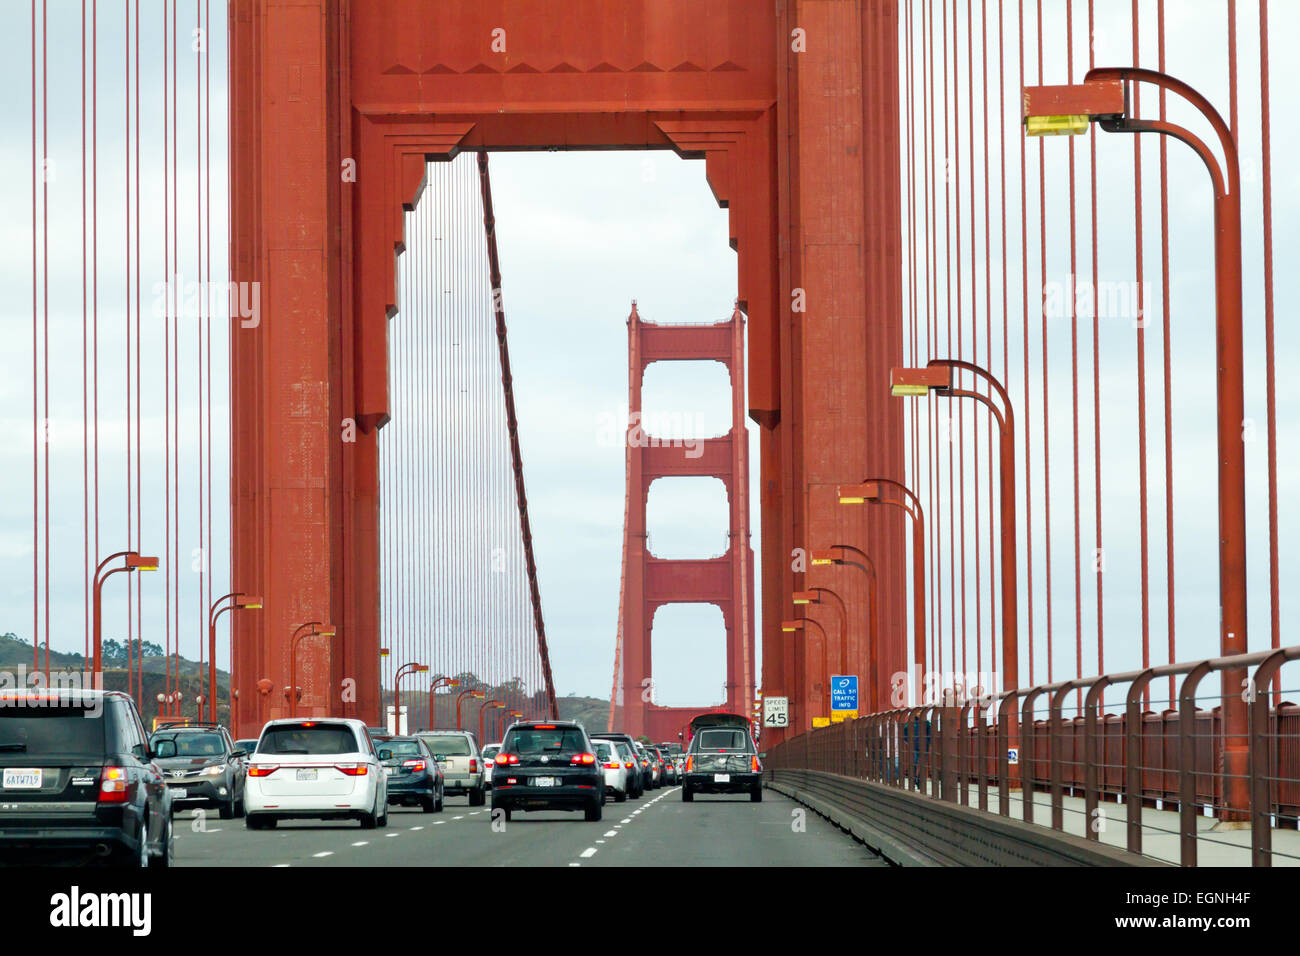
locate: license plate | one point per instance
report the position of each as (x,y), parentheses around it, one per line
(544,782)
(16,779)
(722,778)
(307,774)
(179,793)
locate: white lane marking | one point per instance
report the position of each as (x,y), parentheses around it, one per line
(392,834)
(417,828)
(589,852)
(579,864)
(600,841)
(362,843)
(461,817)
(610,833)
(277,866)
(626,820)
(438,823)
(324,853)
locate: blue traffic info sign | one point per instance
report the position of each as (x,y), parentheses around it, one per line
(844,692)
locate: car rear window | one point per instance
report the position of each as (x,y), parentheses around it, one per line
(451,745)
(604,751)
(403,748)
(50,730)
(723,740)
(536,740)
(313,738)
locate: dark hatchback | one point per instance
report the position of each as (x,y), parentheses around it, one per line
(78,783)
(722,758)
(413,775)
(548,765)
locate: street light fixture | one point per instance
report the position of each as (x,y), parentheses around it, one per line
(434,685)
(414,668)
(870,491)
(1096,99)
(477,694)
(837,554)
(237,599)
(316,628)
(938,377)
(797,626)
(499,704)
(134,561)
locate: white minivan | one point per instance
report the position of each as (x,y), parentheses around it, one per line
(315,769)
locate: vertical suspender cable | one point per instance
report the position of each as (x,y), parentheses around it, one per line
(1141,363)
(1270,368)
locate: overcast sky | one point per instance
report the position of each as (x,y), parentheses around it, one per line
(581,235)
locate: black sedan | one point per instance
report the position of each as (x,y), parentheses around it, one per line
(414,778)
(548,765)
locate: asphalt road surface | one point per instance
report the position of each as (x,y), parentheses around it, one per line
(656,830)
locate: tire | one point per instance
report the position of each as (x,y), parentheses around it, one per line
(620,796)
(593,813)
(756,795)
(227,810)
(369,820)
(382,821)
(427,805)
(239,807)
(437,807)
(142,860)
(477,797)
(688,795)
(167,857)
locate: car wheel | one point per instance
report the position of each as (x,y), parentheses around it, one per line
(227,810)
(142,860)
(427,804)
(687,795)
(756,795)
(239,807)
(620,796)
(477,797)
(167,857)
(437,807)
(593,812)
(383,817)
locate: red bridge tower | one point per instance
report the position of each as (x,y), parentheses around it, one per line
(649,582)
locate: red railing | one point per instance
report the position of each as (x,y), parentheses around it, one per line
(957,750)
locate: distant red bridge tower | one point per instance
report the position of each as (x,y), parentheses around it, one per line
(649,582)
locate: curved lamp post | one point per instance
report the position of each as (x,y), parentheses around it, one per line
(411,667)
(938,376)
(870,490)
(238,600)
(500,704)
(1103,98)
(134,562)
(796,626)
(316,627)
(434,685)
(476,694)
(838,554)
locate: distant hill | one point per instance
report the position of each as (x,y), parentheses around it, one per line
(16,658)
(591,712)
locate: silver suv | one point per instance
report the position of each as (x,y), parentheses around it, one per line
(458,754)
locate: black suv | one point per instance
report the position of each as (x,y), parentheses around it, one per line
(548,765)
(78,782)
(202,766)
(722,758)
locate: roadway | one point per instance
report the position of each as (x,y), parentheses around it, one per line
(656,830)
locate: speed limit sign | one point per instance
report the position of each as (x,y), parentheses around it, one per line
(776,711)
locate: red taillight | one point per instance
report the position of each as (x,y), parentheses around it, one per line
(543,726)
(473,765)
(690,761)
(262,770)
(417,766)
(583,759)
(611,766)
(505,759)
(753,763)
(352,769)
(113,785)
(630,765)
